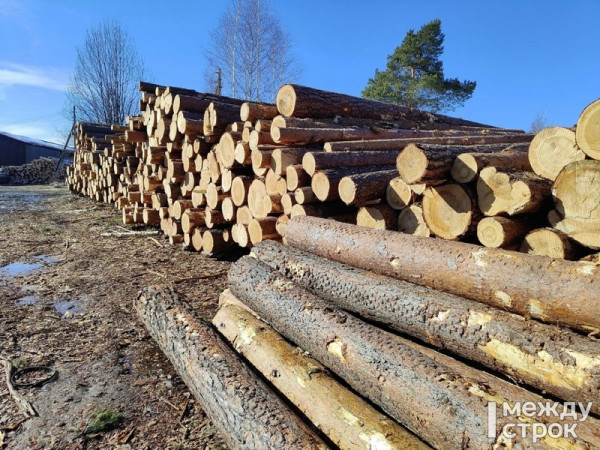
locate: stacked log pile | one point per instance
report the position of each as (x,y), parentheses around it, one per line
(39,171)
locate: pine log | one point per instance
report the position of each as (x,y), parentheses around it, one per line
(281,224)
(262,204)
(243,154)
(214,217)
(587,133)
(228,209)
(151,216)
(243,215)
(301,101)
(296,177)
(322,209)
(503,232)
(550,242)
(562,292)
(362,188)
(424,162)
(309,386)
(325,183)
(283,157)
(467,166)
(237,402)
(258,138)
(198,197)
(214,196)
(438,137)
(577,197)
(450,211)
(499,340)
(398,194)
(239,189)
(191,219)
(511,192)
(254,111)
(552,149)
(261,229)
(227,145)
(411,221)
(380,217)
(442,400)
(271,181)
(287,202)
(305,195)
(216,241)
(314,161)
(179,207)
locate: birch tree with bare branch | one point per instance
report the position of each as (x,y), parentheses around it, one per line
(253,52)
(103,86)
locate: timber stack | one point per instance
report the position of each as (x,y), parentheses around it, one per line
(214,172)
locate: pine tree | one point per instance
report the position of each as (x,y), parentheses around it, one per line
(414,76)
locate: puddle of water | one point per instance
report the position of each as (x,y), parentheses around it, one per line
(71,307)
(27,300)
(18,268)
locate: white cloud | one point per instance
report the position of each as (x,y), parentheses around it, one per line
(18,74)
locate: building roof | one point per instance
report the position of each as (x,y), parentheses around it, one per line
(32,141)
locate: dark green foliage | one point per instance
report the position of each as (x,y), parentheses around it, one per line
(414,76)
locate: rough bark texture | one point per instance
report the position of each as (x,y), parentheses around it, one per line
(549,358)
(245,410)
(439,399)
(467,166)
(556,291)
(314,161)
(552,149)
(588,130)
(325,183)
(511,192)
(348,420)
(301,101)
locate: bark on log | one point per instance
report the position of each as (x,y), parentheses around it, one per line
(426,162)
(309,386)
(250,111)
(305,195)
(527,351)
(281,158)
(248,413)
(314,161)
(216,241)
(296,177)
(587,133)
(467,166)
(438,137)
(577,197)
(450,211)
(301,101)
(550,242)
(361,188)
(411,221)
(325,183)
(441,400)
(555,291)
(261,229)
(551,150)
(511,192)
(322,209)
(503,232)
(379,217)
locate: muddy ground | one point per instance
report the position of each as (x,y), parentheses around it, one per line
(66,302)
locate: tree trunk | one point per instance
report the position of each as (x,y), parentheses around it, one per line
(248,413)
(434,137)
(309,386)
(411,221)
(362,188)
(587,133)
(550,242)
(467,166)
(302,101)
(450,211)
(551,150)
(497,339)
(440,399)
(562,292)
(511,192)
(314,161)
(425,162)
(503,232)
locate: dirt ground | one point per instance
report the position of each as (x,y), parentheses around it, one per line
(66,302)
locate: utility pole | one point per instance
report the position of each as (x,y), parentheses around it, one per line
(64,150)
(219,82)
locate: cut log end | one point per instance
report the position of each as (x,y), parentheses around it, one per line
(286,100)
(588,130)
(448,211)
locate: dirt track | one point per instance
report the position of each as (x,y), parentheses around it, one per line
(69,306)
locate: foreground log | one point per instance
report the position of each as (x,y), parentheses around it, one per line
(555,291)
(440,399)
(587,133)
(499,340)
(308,385)
(248,414)
(577,197)
(552,149)
(511,192)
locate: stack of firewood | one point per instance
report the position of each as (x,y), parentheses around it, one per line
(214,172)
(427,335)
(38,171)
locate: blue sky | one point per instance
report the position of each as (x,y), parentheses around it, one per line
(528,57)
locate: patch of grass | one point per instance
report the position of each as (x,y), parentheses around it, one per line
(18,363)
(102,420)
